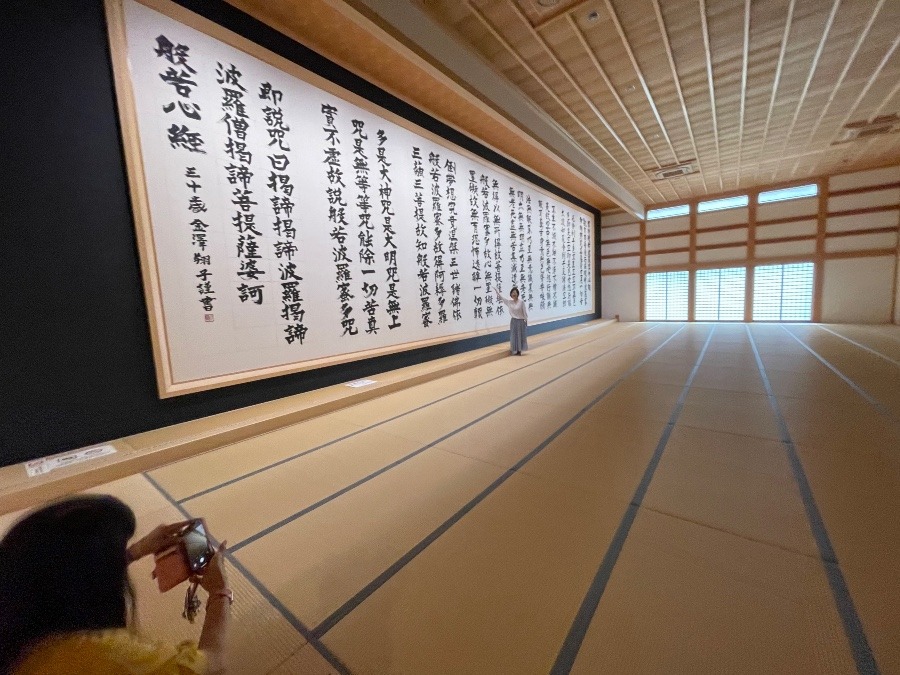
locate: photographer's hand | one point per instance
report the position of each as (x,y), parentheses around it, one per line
(161,537)
(214,577)
(218,611)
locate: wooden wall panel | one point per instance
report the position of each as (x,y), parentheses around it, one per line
(730,254)
(740,234)
(869,221)
(799,228)
(849,181)
(633,262)
(855,217)
(787,209)
(610,250)
(620,232)
(726,217)
(864,200)
(805,247)
(613,218)
(669,225)
(667,259)
(662,243)
(861,242)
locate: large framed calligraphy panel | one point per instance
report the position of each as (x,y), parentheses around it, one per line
(285,223)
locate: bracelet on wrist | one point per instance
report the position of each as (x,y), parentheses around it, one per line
(226,593)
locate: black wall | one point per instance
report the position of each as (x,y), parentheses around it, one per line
(76,365)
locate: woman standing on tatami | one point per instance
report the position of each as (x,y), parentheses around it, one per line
(518,322)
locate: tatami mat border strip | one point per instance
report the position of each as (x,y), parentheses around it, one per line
(342,611)
(860,345)
(878,405)
(259,586)
(859,644)
(565,659)
(309,451)
(312,507)
(889,334)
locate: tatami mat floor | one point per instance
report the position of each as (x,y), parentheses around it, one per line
(639,498)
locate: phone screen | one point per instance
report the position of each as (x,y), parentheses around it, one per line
(197,546)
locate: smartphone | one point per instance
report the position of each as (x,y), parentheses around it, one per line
(197,548)
(189,556)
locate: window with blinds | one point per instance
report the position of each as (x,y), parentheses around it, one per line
(783,292)
(719,294)
(666,296)
(784,194)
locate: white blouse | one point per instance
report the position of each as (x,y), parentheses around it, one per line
(516,307)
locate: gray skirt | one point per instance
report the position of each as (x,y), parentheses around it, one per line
(518,341)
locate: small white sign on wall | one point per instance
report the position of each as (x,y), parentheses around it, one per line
(39,467)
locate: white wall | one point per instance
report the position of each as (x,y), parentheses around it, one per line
(858,290)
(621,294)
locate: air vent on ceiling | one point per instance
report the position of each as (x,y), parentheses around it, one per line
(884,124)
(673,171)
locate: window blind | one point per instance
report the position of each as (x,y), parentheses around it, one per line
(783,292)
(666,296)
(719,294)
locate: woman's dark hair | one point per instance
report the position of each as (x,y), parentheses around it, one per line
(63,568)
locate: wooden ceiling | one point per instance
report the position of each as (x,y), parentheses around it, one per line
(751,92)
(748,92)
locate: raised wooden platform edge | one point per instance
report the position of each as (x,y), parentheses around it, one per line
(158,447)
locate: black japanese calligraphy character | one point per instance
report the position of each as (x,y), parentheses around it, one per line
(254,293)
(230,75)
(174,54)
(180,80)
(182,137)
(191,110)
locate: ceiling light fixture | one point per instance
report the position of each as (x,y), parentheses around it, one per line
(673,171)
(593,16)
(862,129)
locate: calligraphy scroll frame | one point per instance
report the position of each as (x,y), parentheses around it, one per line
(167,385)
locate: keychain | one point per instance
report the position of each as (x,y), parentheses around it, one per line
(191,603)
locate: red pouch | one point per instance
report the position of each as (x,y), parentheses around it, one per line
(171,567)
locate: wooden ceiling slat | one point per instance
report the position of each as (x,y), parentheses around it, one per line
(840,80)
(778,68)
(812,70)
(744,65)
(502,40)
(677,82)
(712,91)
(640,76)
(574,84)
(612,90)
(762,99)
(887,57)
